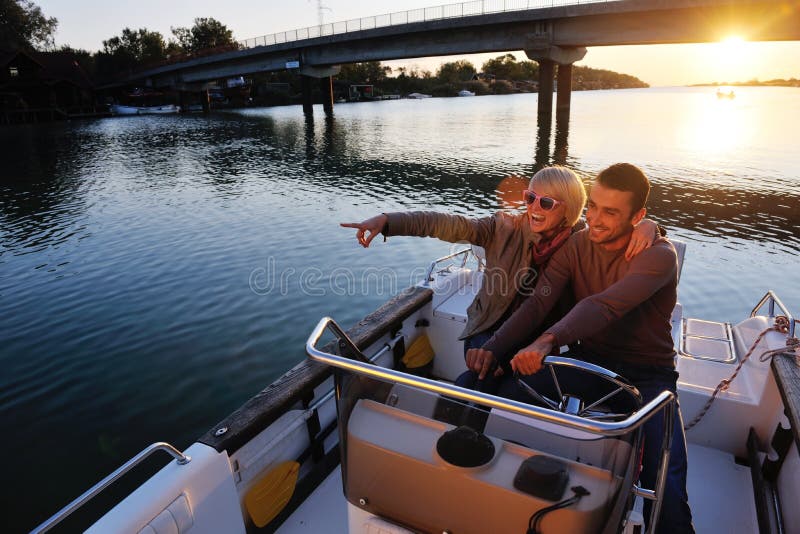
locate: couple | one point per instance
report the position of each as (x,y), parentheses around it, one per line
(619,271)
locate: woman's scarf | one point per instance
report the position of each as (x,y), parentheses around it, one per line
(547,247)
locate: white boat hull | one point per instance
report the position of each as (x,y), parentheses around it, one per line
(118,109)
(295,419)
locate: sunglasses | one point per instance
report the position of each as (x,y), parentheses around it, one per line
(546,203)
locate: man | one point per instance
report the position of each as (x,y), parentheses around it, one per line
(621,320)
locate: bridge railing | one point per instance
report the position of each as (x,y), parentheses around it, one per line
(447,11)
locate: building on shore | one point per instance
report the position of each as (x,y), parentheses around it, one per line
(44,86)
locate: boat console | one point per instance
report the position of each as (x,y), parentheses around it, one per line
(428,456)
(395,470)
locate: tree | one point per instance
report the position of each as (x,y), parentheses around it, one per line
(456,72)
(507,67)
(206,33)
(23,25)
(84,58)
(132,49)
(367,72)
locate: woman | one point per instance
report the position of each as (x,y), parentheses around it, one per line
(517,247)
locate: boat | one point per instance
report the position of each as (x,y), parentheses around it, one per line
(464,92)
(418,95)
(118,109)
(353,439)
(730,95)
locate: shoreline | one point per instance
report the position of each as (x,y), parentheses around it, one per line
(774,83)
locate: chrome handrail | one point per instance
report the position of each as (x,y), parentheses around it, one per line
(773,299)
(602,428)
(664,400)
(62,514)
(434,263)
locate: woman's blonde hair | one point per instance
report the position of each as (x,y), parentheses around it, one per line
(566,186)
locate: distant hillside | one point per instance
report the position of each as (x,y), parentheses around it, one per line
(500,75)
(792,82)
(586,78)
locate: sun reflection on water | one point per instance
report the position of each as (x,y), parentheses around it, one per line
(717,126)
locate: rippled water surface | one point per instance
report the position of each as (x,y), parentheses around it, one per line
(155,272)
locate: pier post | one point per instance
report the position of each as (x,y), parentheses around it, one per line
(564,89)
(324,74)
(205,99)
(183,101)
(326,87)
(545,88)
(305,85)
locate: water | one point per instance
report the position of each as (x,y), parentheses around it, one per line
(156,272)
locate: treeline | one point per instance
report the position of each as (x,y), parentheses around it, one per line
(500,75)
(778,82)
(137,49)
(23,25)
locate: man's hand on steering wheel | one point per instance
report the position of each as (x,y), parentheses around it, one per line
(528,361)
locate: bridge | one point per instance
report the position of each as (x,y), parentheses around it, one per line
(551,32)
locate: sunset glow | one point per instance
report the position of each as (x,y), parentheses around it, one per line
(733,46)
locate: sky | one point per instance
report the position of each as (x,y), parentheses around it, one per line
(86,23)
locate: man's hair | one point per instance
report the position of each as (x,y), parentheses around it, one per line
(627,177)
(567,186)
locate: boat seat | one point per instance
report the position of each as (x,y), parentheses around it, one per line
(453,295)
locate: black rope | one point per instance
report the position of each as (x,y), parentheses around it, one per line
(533,523)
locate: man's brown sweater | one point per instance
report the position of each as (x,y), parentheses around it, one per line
(623,307)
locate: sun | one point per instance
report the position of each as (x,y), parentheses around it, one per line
(728,58)
(732,46)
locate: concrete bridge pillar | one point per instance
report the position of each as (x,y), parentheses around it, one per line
(546,68)
(564,89)
(547,56)
(326,88)
(323,74)
(305,86)
(205,100)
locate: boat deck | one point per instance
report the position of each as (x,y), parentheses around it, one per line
(720,495)
(720,492)
(324,510)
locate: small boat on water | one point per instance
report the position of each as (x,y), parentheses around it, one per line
(464,92)
(418,95)
(118,109)
(730,95)
(350,440)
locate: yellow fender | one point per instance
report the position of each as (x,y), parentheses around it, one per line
(419,353)
(268,496)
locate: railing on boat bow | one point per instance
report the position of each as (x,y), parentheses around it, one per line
(665,400)
(62,514)
(429,273)
(772,300)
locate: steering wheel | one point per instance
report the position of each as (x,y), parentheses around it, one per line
(574,405)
